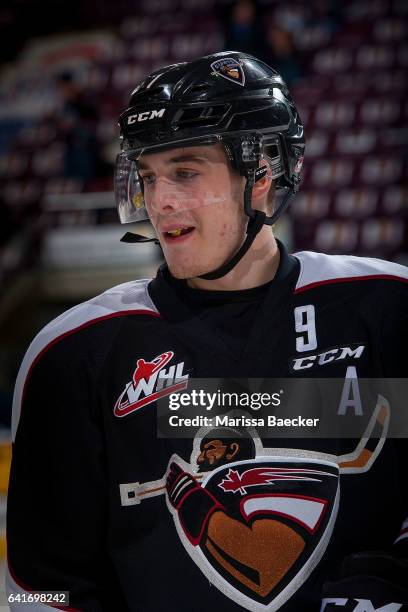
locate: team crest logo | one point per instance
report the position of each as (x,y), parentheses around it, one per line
(229,68)
(150,382)
(257,520)
(255,525)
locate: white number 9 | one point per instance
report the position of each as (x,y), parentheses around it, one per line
(305,324)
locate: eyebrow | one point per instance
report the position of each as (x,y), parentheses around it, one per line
(177,160)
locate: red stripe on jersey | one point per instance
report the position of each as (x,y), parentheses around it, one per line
(350,279)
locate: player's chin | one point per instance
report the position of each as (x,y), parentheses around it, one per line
(184,269)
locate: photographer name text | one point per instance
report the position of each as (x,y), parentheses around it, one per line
(241,421)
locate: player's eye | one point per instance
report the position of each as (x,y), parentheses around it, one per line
(147,179)
(185,174)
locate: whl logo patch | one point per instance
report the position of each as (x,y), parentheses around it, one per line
(151,381)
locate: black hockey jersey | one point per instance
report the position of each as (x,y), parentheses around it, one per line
(101,507)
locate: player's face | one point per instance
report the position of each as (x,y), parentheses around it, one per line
(194,201)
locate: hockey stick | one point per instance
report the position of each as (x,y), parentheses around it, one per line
(133,493)
(358,461)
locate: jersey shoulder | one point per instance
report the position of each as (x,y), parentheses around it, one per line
(123,299)
(130,298)
(318,269)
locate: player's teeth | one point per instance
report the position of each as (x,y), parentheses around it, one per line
(178,231)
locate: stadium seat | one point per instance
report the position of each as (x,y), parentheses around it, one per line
(390,81)
(124,76)
(13,164)
(187,46)
(312,37)
(37,135)
(382,234)
(334,60)
(151,48)
(356,141)
(317,143)
(22,194)
(402,56)
(311,204)
(48,161)
(374,57)
(57,186)
(380,170)
(334,114)
(366,11)
(390,30)
(337,236)
(132,27)
(351,203)
(380,111)
(351,86)
(395,200)
(332,173)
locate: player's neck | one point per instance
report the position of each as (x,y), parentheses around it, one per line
(257,267)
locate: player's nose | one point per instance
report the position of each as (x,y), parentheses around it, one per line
(165,198)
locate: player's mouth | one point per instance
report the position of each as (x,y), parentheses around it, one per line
(177,234)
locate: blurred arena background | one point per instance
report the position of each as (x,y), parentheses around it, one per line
(66,73)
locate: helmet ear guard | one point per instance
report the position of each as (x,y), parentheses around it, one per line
(245,153)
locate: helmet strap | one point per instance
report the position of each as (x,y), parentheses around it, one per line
(257,219)
(254,226)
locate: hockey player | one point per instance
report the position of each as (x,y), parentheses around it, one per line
(102,508)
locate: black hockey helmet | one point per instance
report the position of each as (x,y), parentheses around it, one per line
(227,97)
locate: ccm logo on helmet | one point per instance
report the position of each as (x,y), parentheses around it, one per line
(146,115)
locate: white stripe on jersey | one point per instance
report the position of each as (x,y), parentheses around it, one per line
(319,268)
(127,297)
